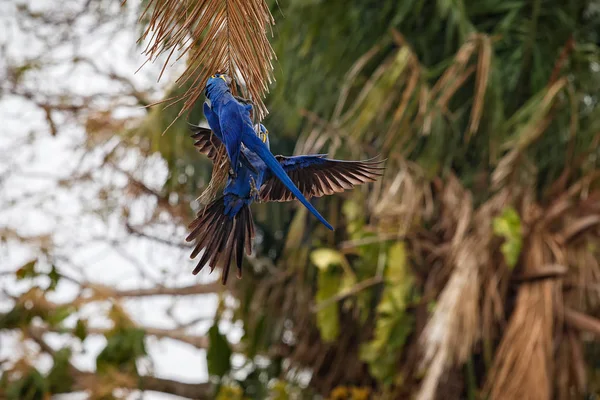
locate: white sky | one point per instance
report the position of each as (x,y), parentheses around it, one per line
(33,202)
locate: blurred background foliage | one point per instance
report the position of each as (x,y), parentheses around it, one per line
(471,270)
(486,107)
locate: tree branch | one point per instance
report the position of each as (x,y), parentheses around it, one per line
(82,379)
(201,288)
(197,391)
(200,342)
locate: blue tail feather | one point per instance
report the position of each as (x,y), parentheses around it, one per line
(257,146)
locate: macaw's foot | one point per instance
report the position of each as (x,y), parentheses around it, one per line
(253,189)
(232,173)
(243,100)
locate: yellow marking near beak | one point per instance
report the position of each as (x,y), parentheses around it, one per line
(264,138)
(223,77)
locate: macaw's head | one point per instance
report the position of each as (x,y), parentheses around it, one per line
(263,134)
(217,84)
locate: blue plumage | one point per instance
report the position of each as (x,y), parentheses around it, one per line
(232,118)
(224,228)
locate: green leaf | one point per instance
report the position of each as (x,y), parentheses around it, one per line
(80,330)
(279,391)
(383,351)
(230,392)
(393,324)
(324,258)
(59,378)
(16,317)
(27,270)
(32,386)
(328,317)
(508,226)
(124,346)
(60,314)
(54,278)
(218,355)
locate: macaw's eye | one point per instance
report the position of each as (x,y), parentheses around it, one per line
(266,131)
(213,76)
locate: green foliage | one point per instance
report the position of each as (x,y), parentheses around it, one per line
(56,316)
(230,392)
(125,345)
(27,270)
(310,71)
(17,317)
(330,283)
(279,391)
(81,330)
(393,324)
(22,314)
(324,258)
(501,57)
(328,319)
(54,276)
(218,355)
(32,386)
(60,379)
(508,226)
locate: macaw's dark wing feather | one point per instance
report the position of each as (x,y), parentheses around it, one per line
(221,237)
(211,146)
(206,141)
(316,176)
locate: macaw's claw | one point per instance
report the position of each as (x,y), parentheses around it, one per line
(232,173)
(253,189)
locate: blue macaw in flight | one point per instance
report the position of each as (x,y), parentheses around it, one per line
(225,227)
(230,120)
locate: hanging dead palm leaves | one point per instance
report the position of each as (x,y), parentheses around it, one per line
(219,36)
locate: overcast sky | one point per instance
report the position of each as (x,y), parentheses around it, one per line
(93,239)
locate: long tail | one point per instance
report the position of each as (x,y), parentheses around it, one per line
(257,146)
(222,229)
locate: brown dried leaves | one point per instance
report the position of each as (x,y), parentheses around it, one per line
(219,36)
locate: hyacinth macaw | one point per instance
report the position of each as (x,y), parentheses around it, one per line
(230,120)
(225,227)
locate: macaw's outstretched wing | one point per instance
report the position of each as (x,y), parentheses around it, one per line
(316,176)
(256,145)
(207,142)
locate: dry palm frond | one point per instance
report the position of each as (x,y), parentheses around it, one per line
(220,36)
(403,202)
(483,71)
(409,105)
(529,132)
(523,362)
(453,329)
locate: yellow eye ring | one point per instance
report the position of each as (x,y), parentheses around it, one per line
(219,76)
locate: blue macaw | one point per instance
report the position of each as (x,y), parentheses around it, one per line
(225,226)
(230,121)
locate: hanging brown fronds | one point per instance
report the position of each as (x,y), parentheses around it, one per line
(219,36)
